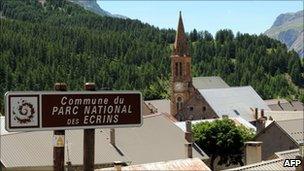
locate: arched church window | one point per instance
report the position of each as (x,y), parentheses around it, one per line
(180,117)
(176,68)
(188,68)
(180,69)
(179,103)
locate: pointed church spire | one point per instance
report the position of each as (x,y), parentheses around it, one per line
(180,46)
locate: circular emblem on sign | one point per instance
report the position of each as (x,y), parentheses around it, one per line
(24,112)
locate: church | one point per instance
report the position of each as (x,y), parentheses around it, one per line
(206,97)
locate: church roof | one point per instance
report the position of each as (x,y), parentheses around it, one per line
(209,82)
(234,101)
(180,45)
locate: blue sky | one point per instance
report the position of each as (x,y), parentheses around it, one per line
(252,17)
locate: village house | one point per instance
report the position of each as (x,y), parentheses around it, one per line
(237,120)
(277,163)
(281,135)
(193,164)
(157,140)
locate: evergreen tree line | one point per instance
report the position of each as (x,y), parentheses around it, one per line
(244,59)
(62,42)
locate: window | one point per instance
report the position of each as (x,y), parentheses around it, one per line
(181,117)
(188,68)
(204,108)
(179,103)
(191,117)
(191,108)
(176,68)
(236,112)
(180,69)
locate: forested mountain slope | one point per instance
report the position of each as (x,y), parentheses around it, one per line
(61,42)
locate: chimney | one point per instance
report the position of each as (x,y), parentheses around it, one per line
(188,133)
(279,104)
(112,137)
(188,150)
(225,116)
(301,149)
(300,157)
(69,166)
(260,124)
(262,113)
(189,138)
(256,113)
(117,165)
(253,152)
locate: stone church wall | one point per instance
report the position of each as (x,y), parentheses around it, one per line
(197,108)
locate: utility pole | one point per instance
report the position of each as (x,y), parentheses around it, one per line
(89,140)
(58,138)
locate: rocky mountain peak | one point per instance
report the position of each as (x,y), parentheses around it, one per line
(288,28)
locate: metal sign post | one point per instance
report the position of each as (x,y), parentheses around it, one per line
(58,138)
(89,140)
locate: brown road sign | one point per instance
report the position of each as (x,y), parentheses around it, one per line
(29,111)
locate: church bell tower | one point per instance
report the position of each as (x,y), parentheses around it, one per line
(181,83)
